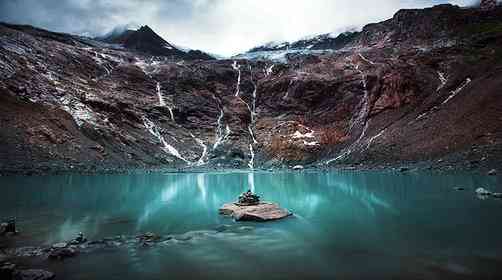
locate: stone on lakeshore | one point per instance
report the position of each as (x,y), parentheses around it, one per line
(492,172)
(262,212)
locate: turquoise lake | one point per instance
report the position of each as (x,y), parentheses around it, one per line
(346,225)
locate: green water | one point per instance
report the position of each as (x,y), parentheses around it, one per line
(347,225)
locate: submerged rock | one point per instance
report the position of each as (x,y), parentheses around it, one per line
(261,212)
(492,172)
(483,192)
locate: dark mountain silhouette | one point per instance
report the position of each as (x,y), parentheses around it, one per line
(146,41)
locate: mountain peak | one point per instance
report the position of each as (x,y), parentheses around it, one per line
(147,41)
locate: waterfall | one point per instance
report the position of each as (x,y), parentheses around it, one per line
(365,59)
(442,79)
(162,102)
(204,150)
(153,129)
(159,94)
(237,68)
(361,118)
(220,135)
(269,70)
(456,91)
(251,161)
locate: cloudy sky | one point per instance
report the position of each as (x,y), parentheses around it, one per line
(222,27)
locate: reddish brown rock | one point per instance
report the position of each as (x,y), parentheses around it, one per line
(262,212)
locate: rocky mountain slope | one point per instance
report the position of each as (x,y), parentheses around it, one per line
(422,87)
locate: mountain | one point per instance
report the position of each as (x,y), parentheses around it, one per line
(420,89)
(146,41)
(320,42)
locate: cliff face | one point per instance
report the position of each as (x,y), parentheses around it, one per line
(423,86)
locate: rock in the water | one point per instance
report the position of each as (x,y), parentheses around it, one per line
(298,167)
(492,172)
(459,188)
(33,274)
(482,191)
(262,212)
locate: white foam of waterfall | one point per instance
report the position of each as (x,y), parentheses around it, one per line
(221,135)
(252,109)
(365,59)
(153,129)
(442,79)
(457,91)
(204,150)
(219,131)
(252,134)
(269,70)
(162,102)
(372,139)
(237,68)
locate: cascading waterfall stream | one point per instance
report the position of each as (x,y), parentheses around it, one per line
(362,116)
(153,129)
(453,93)
(251,161)
(204,150)
(457,90)
(144,67)
(237,68)
(442,79)
(163,103)
(221,135)
(159,94)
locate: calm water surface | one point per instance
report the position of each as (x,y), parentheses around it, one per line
(347,225)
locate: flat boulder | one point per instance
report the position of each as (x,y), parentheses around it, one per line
(260,212)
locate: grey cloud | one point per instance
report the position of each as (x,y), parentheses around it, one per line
(219,26)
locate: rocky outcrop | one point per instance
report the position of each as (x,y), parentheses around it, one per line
(261,212)
(398,93)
